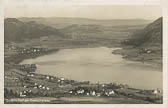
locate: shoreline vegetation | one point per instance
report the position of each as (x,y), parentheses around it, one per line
(136,58)
(22,86)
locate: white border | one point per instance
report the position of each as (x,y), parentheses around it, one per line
(1,52)
(163,3)
(87,2)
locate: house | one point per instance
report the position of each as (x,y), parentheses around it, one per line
(24,86)
(34,50)
(15,78)
(145,49)
(81,91)
(87,94)
(47,88)
(103,85)
(43,87)
(29,91)
(35,87)
(22,95)
(40,86)
(149,51)
(155,91)
(98,94)
(62,79)
(28,75)
(70,92)
(111,92)
(93,93)
(47,77)
(59,81)
(31,75)
(24,91)
(107,94)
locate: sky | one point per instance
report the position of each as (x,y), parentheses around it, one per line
(43,9)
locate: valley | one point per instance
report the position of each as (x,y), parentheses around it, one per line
(31,38)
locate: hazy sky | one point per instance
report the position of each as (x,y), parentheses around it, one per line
(85,11)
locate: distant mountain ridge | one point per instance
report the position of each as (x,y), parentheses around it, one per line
(17,31)
(61,22)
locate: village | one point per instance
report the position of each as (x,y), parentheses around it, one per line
(22,81)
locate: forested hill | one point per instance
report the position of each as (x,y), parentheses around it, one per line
(145,45)
(150,36)
(18,31)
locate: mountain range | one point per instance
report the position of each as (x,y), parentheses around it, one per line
(61,22)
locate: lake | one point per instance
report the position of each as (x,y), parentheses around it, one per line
(98,65)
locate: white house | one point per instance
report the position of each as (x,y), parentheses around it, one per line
(93,93)
(47,88)
(28,75)
(111,92)
(155,91)
(32,75)
(34,50)
(149,51)
(43,87)
(80,91)
(103,85)
(98,94)
(29,91)
(107,94)
(40,86)
(62,79)
(58,80)
(47,77)
(70,92)
(22,95)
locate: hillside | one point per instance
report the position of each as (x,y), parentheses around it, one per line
(18,31)
(145,45)
(150,36)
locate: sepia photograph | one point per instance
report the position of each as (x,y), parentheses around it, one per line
(83,54)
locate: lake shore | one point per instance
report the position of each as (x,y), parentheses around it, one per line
(134,55)
(41,79)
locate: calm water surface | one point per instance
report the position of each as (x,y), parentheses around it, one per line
(98,65)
